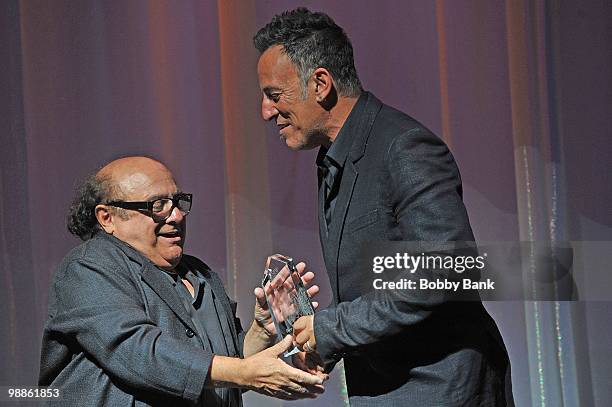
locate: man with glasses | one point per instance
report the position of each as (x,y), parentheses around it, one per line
(133,320)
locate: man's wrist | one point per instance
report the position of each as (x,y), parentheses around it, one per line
(242,369)
(229,372)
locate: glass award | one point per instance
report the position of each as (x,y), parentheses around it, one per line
(285,294)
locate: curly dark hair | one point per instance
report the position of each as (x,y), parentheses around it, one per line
(81,219)
(313,40)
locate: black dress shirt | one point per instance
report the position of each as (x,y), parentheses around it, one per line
(204,312)
(330,162)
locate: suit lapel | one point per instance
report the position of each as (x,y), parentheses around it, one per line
(360,131)
(364,127)
(154,278)
(324,236)
(347,185)
(158,282)
(322,226)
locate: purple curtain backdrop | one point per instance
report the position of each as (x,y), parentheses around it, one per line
(520,90)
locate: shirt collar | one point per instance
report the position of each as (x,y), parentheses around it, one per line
(180,270)
(172,273)
(338,151)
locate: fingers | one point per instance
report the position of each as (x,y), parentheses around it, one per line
(300,335)
(303,333)
(281,380)
(289,396)
(306,392)
(282,346)
(291,391)
(259,294)
(307,363)
(315,390)
(307,277)
(296,384)
(300,360)
(303,378)
(301,339)
(319,373)
(261,297)
(312,291)
(299,325)
(301,267)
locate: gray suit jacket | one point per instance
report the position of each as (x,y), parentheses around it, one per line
(118,334)
(401,183)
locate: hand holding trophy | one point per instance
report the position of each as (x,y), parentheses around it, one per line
(286,296)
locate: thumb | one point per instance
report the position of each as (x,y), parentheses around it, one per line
(260,297)
(282,346)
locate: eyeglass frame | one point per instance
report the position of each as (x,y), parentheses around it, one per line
(148,205)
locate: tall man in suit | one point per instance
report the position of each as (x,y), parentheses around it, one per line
(382,176)
(134,321)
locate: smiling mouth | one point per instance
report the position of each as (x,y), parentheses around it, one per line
(281,127)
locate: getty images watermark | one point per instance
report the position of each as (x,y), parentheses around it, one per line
(491,271)
(411,264)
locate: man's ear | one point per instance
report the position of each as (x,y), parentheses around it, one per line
(323,84)
(105,218)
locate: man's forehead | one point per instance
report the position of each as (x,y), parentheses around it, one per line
(137,178)
(130,182)
(143,185)
(274,61)
(275,68)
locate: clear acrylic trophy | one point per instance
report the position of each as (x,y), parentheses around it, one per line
(285,294)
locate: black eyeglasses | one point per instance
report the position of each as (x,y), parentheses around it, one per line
(160,209)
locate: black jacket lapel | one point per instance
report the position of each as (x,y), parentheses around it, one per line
(325,238)
(359,131)
(349,177)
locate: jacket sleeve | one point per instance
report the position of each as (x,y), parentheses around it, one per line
(425,198)
(103,313)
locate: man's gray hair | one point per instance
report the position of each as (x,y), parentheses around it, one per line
(313,40)
(81,220)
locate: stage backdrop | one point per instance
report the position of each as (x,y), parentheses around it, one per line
(520,90)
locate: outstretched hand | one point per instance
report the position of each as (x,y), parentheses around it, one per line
(267,374)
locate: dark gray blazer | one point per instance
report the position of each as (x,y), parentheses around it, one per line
(117,333)
(400,182)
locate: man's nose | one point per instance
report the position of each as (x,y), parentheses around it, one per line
(175,216)
(268,110)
